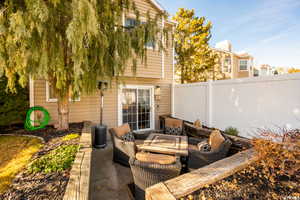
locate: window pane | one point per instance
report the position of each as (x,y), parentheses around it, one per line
(129,104)
(144,108)
(51,94)
(130,22)
(150,44)
(243,64)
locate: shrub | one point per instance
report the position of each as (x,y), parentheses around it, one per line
(232,131)
(276,175)
(279,153)
(56,160)
(71,136)
(13,106)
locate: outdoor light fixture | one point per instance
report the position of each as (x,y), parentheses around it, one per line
(102,85)
(157,93)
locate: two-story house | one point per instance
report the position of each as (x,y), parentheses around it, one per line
(232,64)
(138,100)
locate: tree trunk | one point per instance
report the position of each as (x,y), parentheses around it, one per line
(63,112)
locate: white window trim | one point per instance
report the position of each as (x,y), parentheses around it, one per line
(229,66)
(120,108)
(49,100)
(243,70)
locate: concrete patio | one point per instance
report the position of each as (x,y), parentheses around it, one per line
(108,180)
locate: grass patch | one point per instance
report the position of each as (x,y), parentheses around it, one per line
(71,136)
(16,153)
(56,160)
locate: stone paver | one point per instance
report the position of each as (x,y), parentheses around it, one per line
(108,180)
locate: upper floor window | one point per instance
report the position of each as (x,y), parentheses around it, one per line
(227,65)
(243,65)
(52,97)
(131,23)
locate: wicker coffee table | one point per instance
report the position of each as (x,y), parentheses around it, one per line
(165,144)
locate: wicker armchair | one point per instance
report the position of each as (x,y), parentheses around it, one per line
(146,174)
(122,150)
(199,158)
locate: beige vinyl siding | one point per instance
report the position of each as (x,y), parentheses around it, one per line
(169,54)
(85,109)
(88,108)
(151,69)
(238,73)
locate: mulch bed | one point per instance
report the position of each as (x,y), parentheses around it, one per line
(245,186)
(41,186)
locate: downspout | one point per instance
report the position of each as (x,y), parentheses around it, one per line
(31,95)
(163,52)
(31,92)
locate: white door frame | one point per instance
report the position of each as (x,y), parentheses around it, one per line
(152,103)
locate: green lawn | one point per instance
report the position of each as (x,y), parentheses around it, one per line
(16,152)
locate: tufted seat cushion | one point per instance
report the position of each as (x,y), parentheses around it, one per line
(155,158)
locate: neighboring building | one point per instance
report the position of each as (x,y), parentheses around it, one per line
(232,64)
(267,70)
(138,101)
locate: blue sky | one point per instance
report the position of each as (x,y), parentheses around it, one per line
(268,29)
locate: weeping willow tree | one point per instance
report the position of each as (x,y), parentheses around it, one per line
(72,44)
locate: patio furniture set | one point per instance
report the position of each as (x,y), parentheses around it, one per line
(157,156)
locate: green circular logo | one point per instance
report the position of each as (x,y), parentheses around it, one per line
(42,120)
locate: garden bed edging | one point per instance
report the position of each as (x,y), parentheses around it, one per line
(186,184)
(79,182)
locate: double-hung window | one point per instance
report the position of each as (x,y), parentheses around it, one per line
(243,65)
(227,65)
(131,23)
(52,97)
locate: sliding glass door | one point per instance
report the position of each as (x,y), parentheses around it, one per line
(136,107)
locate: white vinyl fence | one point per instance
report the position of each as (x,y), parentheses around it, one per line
(247,104)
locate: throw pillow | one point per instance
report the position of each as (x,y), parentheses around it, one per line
(216,139)
(122,130)
(128,137)
(173,130)
(198,124)
(204,146)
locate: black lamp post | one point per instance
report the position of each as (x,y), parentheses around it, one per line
(101,129)
(102,86)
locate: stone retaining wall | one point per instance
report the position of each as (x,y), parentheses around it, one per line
(79,182)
